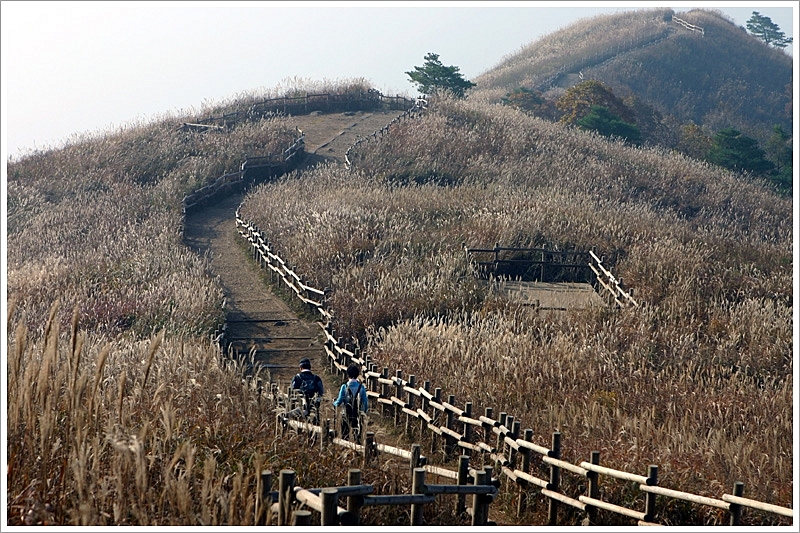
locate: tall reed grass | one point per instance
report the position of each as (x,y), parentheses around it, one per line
(158,432)
(120,411)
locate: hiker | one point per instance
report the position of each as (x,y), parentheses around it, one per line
(354,397)
(310,385)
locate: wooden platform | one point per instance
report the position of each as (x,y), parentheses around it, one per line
(551,296)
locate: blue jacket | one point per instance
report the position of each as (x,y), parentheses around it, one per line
(354,385)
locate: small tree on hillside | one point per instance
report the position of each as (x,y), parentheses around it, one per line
(604,122)
(732,150)
(693,141)
(779,151)
(577,102)
(766,30)
(532,102)
(433,77)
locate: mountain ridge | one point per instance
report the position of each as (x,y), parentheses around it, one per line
(710,78)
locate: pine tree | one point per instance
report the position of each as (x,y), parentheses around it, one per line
(433,77)
(766,30)
(732,150)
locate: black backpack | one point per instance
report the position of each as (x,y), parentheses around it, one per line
(309,384)
(352,404)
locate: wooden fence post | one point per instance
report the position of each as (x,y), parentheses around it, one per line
(522,502)
(463,473)
(486,499)
(594,489)
(650,498)
(417,487)
(509,424)
(329,515)
(373,382)
(501,444)
(398,392)
(285,496)
(487,413)
(735,509)
(437,398)
(301,518)
(385,391)
(410,402)
(326,431)
(478,517)
(265,498)
(423,424)
(449,441)
(369,447)
(468,427)
(512,453)
(354,502)
(415,455)
(555,478)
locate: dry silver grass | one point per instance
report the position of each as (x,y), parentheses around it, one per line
(690,381)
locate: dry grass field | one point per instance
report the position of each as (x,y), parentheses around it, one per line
(697,380)
(121,412)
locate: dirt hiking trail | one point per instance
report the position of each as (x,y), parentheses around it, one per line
(260,322)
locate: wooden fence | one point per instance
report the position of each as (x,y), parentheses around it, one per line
(420,410)
(257,168)
(252,170)
(688,26)
(550,265)
(284,506)
(412,112)
(530,263)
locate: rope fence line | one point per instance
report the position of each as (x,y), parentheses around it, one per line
(418,410)
(412,112)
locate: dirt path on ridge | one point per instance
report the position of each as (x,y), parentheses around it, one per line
(259,321)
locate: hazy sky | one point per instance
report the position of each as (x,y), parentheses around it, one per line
(85,67)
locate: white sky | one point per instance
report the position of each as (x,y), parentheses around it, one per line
(84,67)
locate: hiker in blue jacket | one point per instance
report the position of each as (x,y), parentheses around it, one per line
(353,395)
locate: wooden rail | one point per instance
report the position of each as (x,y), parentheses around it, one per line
(284,506)
(411,112)
(688,26)
(612,285)
(537,263)
(238,181)
(302,104)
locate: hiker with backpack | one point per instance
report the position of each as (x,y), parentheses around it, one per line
(353,395)
(311,387)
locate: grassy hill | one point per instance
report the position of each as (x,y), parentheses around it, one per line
(123,413)
(721,78)
(708,254)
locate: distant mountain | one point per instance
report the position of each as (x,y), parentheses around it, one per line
(694,67)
